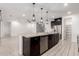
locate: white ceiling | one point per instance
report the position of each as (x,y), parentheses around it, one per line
(14,11)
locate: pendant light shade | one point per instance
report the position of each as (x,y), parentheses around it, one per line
(47,15)
(0,16)
(41,16)
(33,19)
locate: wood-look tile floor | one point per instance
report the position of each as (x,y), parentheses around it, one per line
(63,48)
(9,47)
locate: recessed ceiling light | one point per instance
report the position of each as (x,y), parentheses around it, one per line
(23,15)
(53,16)
(69,12)
(65,4)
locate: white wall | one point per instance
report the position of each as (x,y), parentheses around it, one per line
(18,28)
(0,29)
(75,26)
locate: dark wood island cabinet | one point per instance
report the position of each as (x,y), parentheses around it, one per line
(37,45)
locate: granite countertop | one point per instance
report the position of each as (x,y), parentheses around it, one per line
(36,34)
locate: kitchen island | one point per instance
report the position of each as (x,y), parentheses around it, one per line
(36,44)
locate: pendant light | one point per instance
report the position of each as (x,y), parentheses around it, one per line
(33,19)
(41,16)
(47,17)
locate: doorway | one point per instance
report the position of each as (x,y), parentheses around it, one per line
(5,29)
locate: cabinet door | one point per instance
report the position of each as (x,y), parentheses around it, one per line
(26,46)
(53,40)
(35,46)
(56,38)
(43,44)
(49,41)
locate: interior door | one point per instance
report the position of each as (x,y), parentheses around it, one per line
(68,29)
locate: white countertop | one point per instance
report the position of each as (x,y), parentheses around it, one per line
(37,34)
